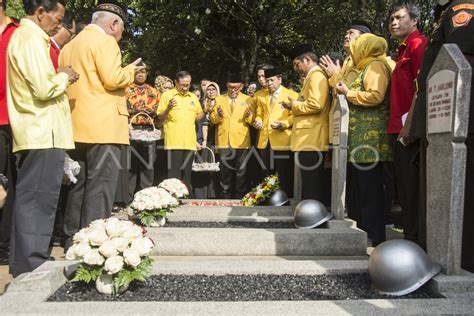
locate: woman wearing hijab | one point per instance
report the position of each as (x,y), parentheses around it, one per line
(368,140)
(163,84)
(204,182)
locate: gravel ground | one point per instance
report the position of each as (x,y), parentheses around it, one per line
(196,224)
(186,288)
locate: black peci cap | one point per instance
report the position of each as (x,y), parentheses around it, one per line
(113,7)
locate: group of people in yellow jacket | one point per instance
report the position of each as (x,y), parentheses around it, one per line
(285,122)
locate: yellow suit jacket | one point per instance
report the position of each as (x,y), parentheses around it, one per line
(267,115)
(233,130)
(311,114)
(97,99)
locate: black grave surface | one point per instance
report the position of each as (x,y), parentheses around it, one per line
(261,287)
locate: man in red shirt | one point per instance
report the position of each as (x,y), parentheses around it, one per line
(64,36)
(7,163)
(403,23)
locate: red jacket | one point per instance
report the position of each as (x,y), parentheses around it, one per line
(409,60)
(4,40)
(54,53)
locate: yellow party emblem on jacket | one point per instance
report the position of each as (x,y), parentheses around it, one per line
(462,19)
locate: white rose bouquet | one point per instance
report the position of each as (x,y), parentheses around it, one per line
(112,248)
(176,187)
(152,204)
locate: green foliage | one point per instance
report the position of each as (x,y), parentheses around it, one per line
(15,9)
(148,217)
(212,37)
(87,273)
(127,275)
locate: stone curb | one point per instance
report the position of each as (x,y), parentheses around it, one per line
(258,242)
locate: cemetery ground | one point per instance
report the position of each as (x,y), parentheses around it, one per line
(36,292)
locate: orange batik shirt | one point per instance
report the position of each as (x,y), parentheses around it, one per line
(142,99)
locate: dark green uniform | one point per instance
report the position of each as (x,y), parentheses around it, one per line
(456,26)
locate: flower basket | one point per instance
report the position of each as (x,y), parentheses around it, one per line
(112,253)
(143,133)
(262,192)
(204,166)
(151,205)
(175,187)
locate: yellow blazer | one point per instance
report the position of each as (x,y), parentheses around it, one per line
(233,130)
(311,114)
(267,115)
(98,104)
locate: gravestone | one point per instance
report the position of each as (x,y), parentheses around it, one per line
(339,157)
(447,108)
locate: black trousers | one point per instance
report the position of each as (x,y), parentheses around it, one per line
(467,257)
(365,191)
(180,163)
(281,162)
(142,160)
(314,179)
(8,169)
(161,163)
(37,192)
(122,192)
(407,173)
(93,195)
(233,164)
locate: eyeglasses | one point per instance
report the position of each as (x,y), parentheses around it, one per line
(70,33)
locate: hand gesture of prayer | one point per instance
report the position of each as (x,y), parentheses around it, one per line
(257,124)
(172,104)
(138,64)
(329,67)
(341,88)
(277,125)
(73,76)
(220,112)
(288,104)
(247,112)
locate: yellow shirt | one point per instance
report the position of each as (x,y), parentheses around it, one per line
(179,125)
(37,103)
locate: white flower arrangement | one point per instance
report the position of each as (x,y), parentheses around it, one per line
(151,204)
(114,247)
(176,187)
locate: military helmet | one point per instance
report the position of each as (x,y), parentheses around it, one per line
(278,198)
(310,214)
(399,267)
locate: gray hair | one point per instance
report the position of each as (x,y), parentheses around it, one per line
(99,17)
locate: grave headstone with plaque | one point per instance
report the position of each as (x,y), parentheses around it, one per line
(448,95)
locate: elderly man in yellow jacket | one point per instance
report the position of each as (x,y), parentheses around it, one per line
(310,133)
(274,124)
(180,109)
(99,114)
(42,132)
(233,115)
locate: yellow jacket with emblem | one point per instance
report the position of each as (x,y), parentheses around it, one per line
(311,114)
(233,130)
(179,125)
(267,114)
(98,105)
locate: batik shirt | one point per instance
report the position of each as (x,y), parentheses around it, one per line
(140,100)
